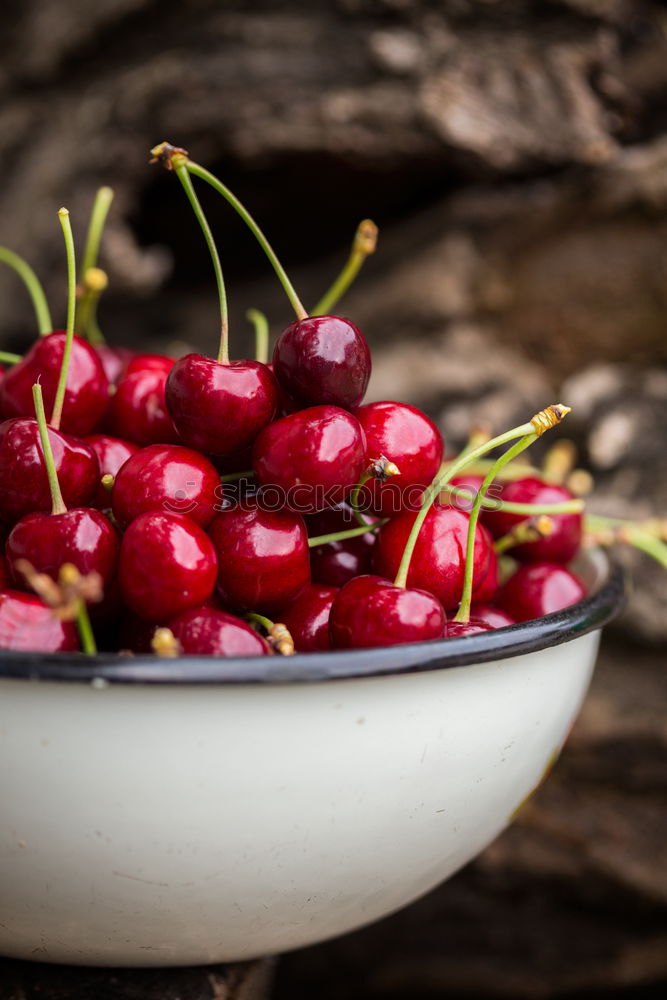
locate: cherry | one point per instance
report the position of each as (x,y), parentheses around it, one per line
(262,555)
(86,393)
(24,487)
(323,359)
(166,477)
(111,453)
(114,360)
(561,545)
(456,630)
(307,618)
(138,409)
(313,457)
(411,441)
(334,563)
(538,589)
(207,631)
(495,617)
(438,561)
(470,482)
(167,565)
(4,573)
(370,611)
(29,625)
(220,408)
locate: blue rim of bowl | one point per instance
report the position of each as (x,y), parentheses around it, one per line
(588,615)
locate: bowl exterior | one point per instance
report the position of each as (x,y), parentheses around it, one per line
(176,825)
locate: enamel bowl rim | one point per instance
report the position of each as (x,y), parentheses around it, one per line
(593,612)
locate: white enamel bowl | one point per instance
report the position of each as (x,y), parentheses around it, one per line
(157,813)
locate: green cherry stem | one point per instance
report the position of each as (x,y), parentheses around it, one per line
(94,283)
(57,502)
(262,620)
(98,217)
(233,477)
(529,530)
(56,416)
(261,325)
(491,503)
(540,423)
(181,170)
(34,287)
(363,245)
(9,359)
(341,536)
(86,634)
(630,532)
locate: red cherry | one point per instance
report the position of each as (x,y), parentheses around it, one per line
(495,617)
(262,555)
(438,560)
(456,630)
(87,392)
(286,404)
(369,611)
(337,562)
(323,359)
(307,618)
(138,409)
(28,625)
(561,545)
(114,360)
(167,477)
(167,565)
(4,573)
(313,458)
(538,589)
(405,436)
(220,409)
(209,632)
(24,487)
(112,453)
(82,536)
(467,481)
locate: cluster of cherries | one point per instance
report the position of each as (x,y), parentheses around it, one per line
(198,506)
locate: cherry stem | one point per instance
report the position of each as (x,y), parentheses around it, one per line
(575,506)
(34,287)
(354,497)
(540,423)
(86,634)
(56,416)
(95,282)
(341,536)
(262,620)
(530,530)
(9,359)
(234,477)
(261,324)
(98,217)
(364,244)
(517,470)
(181,169)
(630,532)
(463,614)
(57,502)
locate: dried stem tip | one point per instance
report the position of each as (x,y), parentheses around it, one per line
(381,468)
(164,643)
(280,640)
(548,418)
(95,279)
(169,156)
(366,238)
(65,596)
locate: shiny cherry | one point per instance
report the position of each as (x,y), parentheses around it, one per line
(167,565)
(220,408)
(138,411)
(334,563)
(409,439)
(370,611)
(262,555)
(112,453)
(323,359)
(312,458)
(538,589)
(561,545)
(490,615)
(438,560)
(206,631)
(87,392)
(456,630)
(167,477)
(28,625)
(114,360)
(471,483)
(24,487)
(307,618)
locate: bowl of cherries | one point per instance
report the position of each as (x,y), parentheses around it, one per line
(273,663)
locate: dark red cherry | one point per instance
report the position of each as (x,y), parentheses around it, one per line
(262,555)
(87,392)
(167,565)
(138,411)
(167,477)
(405,436)
(471,483)
(370,611)
(456,630)
(112,453)
(307,618)
(286,404)
(487,613)
(81,536)
(220,409)
(208,632)
(310,459)
(114,360)
(438,560)
(28,625)
(323,359)
(538,589)
(561,545)
(334,563)
(4,573)
(24,487)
